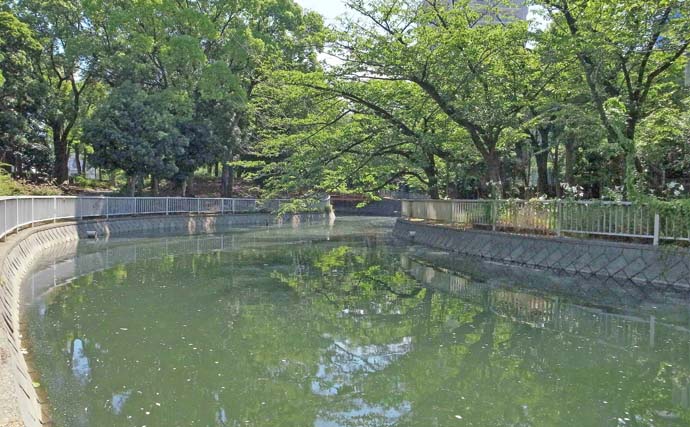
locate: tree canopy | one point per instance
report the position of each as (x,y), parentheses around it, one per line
(445,98)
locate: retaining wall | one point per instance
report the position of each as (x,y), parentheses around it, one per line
(20,405)
(385,207)
(665,266)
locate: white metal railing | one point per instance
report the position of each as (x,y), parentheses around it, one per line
(399,194)
(25,211)
(556,217)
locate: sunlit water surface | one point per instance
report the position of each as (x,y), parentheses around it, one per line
(337,325)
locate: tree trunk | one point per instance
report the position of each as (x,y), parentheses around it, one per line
(155,185)
(18,165)
(432,177)
(569,162)
(190,184)
(542,160)
(132,184)
(521,169)
(78,162)
(433,183)
(60,168)
(227,180)
(493,174)
(540,145)
(183,187)
(556,183)
(83,162)
(631,163)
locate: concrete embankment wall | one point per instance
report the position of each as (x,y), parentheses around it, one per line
(665,266)
(20,405)
(385,207)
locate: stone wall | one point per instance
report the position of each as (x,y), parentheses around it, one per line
(664,266)
(20,405)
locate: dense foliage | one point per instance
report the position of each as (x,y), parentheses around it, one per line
(440,97)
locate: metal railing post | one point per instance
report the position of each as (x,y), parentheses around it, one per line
(493,215)
(558,218)
(4,220)
(33,215)
(657,228)
(55,209)
(16,219)
(232,205)
(107,207)
(222,206)
(167,205)
(198,206)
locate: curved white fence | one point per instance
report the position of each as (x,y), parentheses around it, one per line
(25,211)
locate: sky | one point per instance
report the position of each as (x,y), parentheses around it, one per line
(330,9)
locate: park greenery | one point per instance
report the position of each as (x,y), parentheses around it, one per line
(441,97)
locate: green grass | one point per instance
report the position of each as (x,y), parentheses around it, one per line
(12,187)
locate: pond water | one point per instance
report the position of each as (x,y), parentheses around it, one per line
(339,325)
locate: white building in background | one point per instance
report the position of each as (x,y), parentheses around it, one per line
(74,170)
(500,11)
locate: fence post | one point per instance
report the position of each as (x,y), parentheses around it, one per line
(32,213)
(54,210)
(222,206)
(657,228)
(558,218)
(198,206)
(4,220)
(494,215)
(107,207)
(232,205)
(167,205)
(16,205)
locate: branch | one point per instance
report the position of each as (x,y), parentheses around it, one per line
(376,109)
(649,47)
(663,67)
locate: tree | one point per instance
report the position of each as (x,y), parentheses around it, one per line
(23,141)
(368,135)
(218,52)
(625,50)
(480,74)
(67,67)
(139,132)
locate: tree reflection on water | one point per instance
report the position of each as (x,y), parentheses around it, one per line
(348,332)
